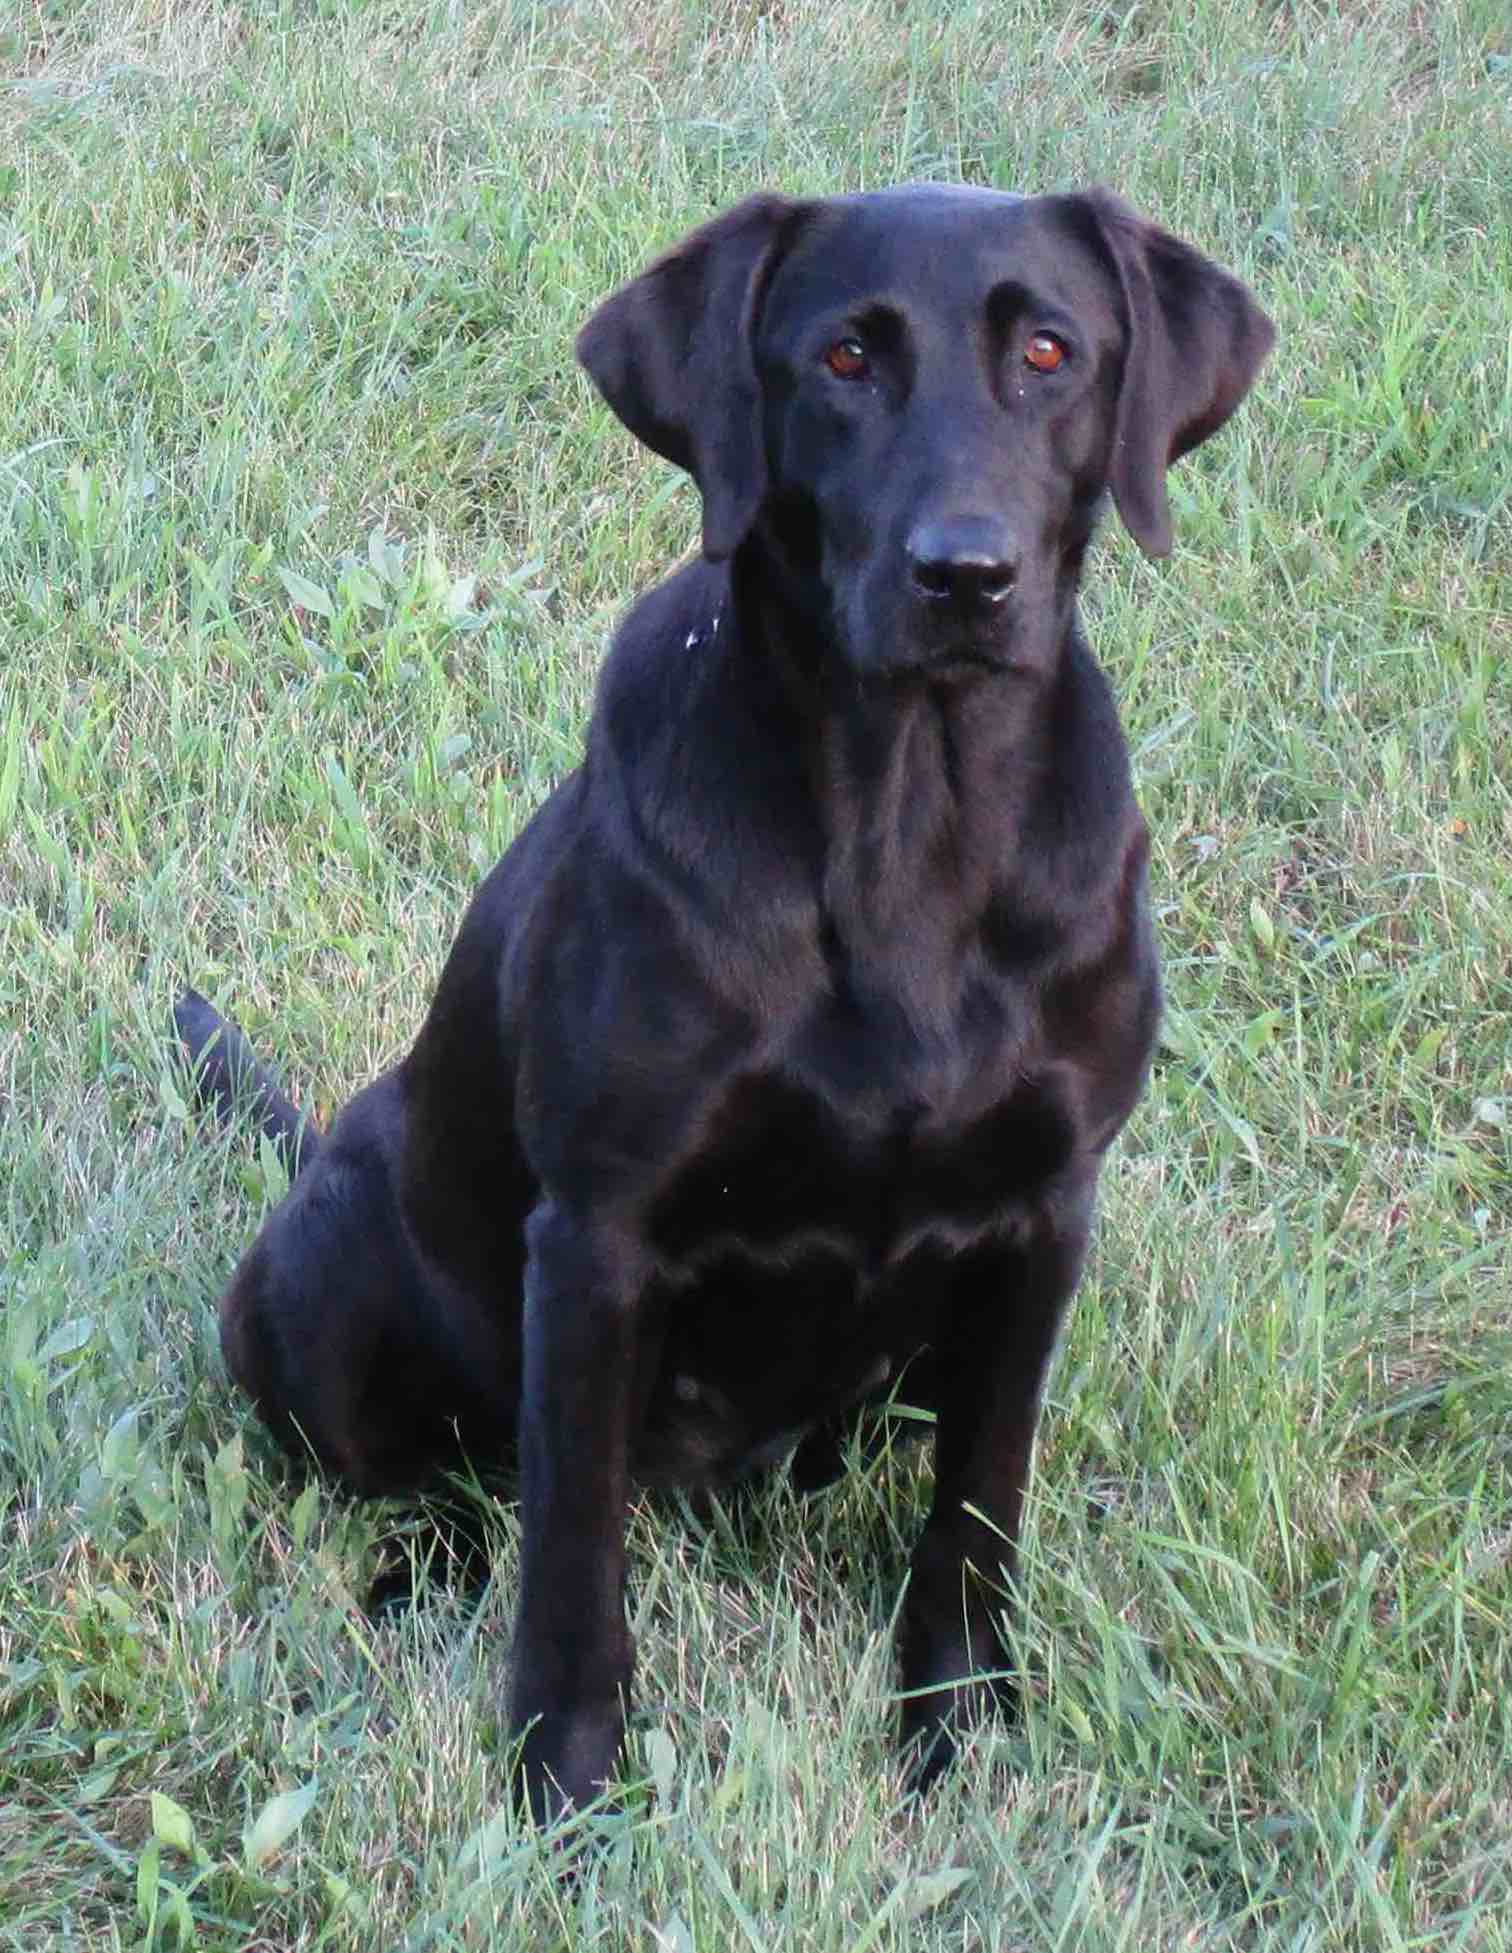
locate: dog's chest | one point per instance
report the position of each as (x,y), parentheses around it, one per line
(807,1244)
(808,1229)
(783,1163)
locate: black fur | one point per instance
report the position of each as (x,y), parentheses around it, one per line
(782,1048)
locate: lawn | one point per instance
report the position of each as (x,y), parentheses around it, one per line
(311,535)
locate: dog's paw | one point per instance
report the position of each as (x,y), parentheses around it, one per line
(933,1724)
(568,1758)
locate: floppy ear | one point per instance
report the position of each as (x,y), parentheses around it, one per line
(672,354)
(1196,339)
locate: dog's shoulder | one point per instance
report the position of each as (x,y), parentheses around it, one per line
(694,753)
(662,642)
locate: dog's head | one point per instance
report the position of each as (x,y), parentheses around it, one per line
(918,397)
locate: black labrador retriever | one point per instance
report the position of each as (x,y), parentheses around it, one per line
(780,1052)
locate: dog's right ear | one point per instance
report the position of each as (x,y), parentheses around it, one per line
(672,354)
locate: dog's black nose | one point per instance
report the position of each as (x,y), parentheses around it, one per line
(969,559)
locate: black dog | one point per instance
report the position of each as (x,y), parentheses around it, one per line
(782,1048)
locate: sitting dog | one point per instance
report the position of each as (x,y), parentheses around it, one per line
(780,1052)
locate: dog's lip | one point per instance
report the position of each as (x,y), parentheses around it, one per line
(966,659)
(954,664)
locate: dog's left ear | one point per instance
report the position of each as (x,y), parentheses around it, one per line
(672,354)
(1196,339)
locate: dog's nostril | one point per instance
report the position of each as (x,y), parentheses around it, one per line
(933,579)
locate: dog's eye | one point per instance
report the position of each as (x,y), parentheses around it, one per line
(847,360)
(1044,352)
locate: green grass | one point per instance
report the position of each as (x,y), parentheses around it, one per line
(310,537)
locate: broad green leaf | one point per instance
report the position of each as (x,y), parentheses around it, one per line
(277,1822)
(308,596)
(172,1824)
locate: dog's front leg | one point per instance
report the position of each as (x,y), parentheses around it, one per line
(573,1650)
(992,1351)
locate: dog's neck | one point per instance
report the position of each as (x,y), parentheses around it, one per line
(948,806)
(918,785)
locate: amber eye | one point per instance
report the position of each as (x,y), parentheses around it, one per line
(1044,352)
(847,360)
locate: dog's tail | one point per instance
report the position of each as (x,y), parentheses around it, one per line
(228,1079)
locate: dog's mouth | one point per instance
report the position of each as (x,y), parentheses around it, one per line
(947,666)
(951,664)
(948,642)
(966,661)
